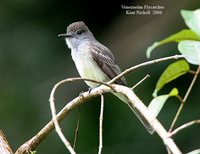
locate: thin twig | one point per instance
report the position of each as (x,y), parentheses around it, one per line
(184,99)
(85,79)
(176,117)
(191,85)
(77,128)
(184,126)
(32,143)
(144,64)
(101,125)
(137,84)
(192,72)
(55,121)
(53,110)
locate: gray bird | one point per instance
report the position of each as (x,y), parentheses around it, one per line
(95,61)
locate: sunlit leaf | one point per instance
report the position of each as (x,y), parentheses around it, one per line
(197,151)
(185,34)
(192,19)
(32,152)
(174,92)
(158,102)
(172,72)
(191,51)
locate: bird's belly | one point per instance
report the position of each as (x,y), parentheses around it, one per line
(88,68)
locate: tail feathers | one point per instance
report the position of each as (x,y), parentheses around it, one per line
(137,113)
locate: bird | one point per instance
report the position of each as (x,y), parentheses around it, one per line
(95,61)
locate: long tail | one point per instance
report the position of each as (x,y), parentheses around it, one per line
(137,113)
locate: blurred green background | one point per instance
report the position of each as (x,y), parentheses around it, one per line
(33,59)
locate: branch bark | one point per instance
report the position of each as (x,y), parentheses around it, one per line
(4,145)
(135,102)
(105,88)
(184,126)
(101,125)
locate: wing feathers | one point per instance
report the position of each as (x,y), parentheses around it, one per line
(105,60)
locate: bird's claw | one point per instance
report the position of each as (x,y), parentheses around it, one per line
(90,88)
(81,94)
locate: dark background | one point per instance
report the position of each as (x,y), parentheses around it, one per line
(33,59)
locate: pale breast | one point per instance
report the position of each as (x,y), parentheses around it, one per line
(88,68)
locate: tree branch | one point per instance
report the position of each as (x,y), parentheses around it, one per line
(184,126)
(55,121)
(144,64)
(101,125)
(137,84)
(135,102)
(42,134)
(4,145)
(77,128)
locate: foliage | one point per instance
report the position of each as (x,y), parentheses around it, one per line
(188,39)
(189,46)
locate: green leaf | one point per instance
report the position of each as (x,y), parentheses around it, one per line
(158,102)
(191,51)
(192,19)
(185,34)
(172,72)
(174,92)
(197,151)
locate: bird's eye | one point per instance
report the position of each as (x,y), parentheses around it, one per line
(79,32)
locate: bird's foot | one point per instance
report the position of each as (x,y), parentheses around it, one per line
(90,88)
(81,94)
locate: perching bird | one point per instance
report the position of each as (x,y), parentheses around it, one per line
(94,61)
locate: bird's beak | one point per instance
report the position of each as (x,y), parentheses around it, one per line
(64,35)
